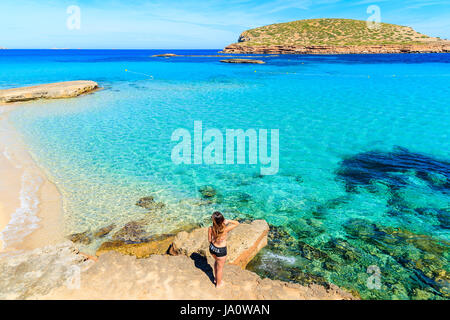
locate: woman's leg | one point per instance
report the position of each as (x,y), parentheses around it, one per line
(215,267)
(220,263)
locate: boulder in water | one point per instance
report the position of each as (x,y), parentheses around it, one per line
(82,237)
(100,233)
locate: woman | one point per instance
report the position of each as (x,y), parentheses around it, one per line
(217,237)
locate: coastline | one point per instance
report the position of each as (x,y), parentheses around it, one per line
(242,48)
(30,204)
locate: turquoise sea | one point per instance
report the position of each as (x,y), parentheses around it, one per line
(364,176)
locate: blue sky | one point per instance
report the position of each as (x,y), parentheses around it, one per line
(190,24)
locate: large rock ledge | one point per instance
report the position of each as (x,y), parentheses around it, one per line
(49,273)
(243,243)
(241,48)
(58,90)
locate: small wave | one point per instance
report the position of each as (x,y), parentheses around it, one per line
(273,256)
(23,220)
(8,156)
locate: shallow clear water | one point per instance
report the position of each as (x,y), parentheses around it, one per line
(364,149)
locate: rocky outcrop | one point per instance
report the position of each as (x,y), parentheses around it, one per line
(61,272)
(29,275)
(100,233)
(56,90)
(116,276)
(323,49)
(159,245)
(243,243)
(165,55)
(133,240)
(245,61)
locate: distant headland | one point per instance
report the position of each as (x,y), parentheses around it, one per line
(335,36)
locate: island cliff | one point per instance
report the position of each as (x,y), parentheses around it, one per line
(335,36)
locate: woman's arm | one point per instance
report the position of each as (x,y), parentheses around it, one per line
(231,224)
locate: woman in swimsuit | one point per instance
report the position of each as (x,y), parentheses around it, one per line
(217,237)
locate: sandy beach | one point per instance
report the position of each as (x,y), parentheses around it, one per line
(30,204)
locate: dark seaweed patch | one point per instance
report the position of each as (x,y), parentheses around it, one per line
(394,170)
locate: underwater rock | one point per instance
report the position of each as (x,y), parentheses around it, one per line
(82,237)
(304,228)
(305,278)
(207,191)
(132,232)
(343,249)
(149,203)
(361,229)
(393,169)
(100,233)
(311,253)
(280,239)
(146,202)
(444,218)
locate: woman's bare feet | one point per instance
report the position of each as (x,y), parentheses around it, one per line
(218,286)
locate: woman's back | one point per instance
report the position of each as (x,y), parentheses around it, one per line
(219,240)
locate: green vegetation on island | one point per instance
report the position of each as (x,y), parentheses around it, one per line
(332,32)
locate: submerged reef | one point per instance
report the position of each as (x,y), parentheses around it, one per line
(394,169)
(405,236)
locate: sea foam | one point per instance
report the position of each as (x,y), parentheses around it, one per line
(23,220)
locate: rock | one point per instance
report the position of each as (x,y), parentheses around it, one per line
(145,202)
(82,237)
(31,274)
(149,203)
(116,276)
(158,245)
(148,246)
(344,249)
(207,191)
(311,253)
(242,61)
(165,55)
(100,233)
(334,36)
(58,90)
(132,232)
(241,48)
(243,243)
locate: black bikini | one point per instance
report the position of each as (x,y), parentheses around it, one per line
(218,252)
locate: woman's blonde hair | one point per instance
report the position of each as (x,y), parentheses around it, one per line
(218,225)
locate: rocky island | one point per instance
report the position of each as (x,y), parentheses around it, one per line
(335,36)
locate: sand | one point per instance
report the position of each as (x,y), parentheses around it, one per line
(19,173)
